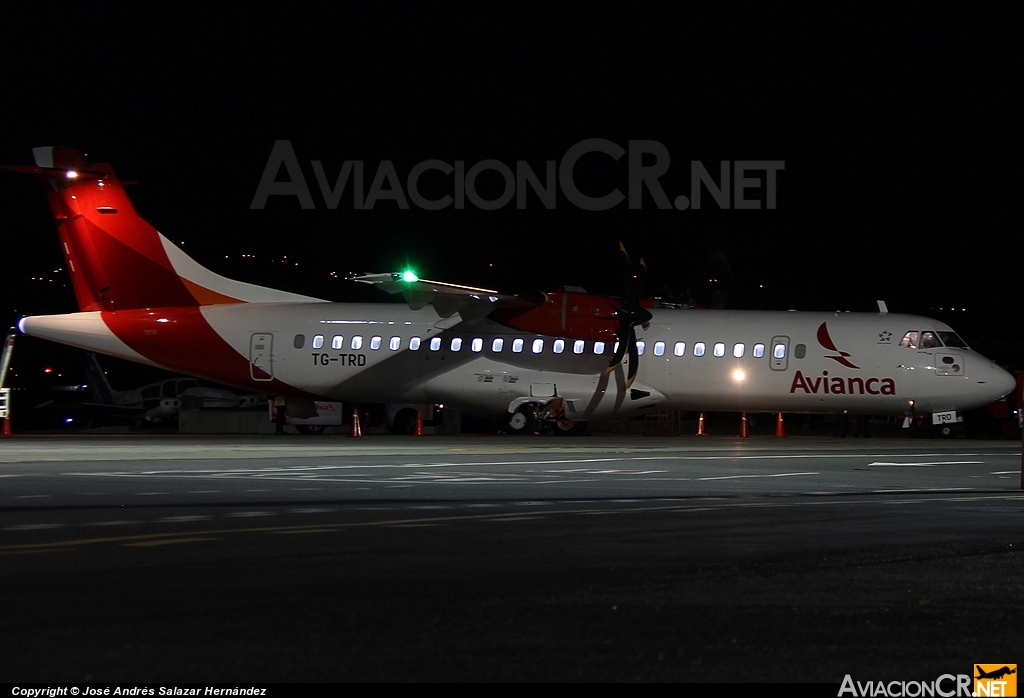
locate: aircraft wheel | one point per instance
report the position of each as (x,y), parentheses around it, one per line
(567,427)
(404,423)
(522,421)
(310,429)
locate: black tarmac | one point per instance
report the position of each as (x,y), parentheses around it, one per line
(262,559)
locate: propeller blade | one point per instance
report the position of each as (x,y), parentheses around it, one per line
(630,314)
(637,284)
(622,341)
(634,359)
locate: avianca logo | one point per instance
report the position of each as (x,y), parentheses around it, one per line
(826,341)
(837,386)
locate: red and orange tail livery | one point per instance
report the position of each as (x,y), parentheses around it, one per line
(116,259)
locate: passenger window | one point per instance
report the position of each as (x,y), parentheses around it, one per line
(517,344)
(497,344)
(394,343)
(414,343)
(758,351)
(909,340)
(477,344)
(538,346)
(598,347)
(719,349)
(456,344)
(578,346)
(779,351)
(300,340)
(698,349)
(659,348)
(738,350)
(435,343)
(800,351)
(375,343)
(640,346)
(559,346)
(337,342)
(929,340)
(318,341)
(679,349)
(357,342)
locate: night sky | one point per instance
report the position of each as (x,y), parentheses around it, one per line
(898,130)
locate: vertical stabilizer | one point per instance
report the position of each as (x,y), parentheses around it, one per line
(116,259)
(101,387)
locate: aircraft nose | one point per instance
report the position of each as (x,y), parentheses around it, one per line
(1002,381)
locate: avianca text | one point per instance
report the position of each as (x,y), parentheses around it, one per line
(836,385)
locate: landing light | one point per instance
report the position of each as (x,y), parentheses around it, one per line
(738,375)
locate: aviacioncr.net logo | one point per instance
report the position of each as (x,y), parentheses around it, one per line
(995,680)
(945,686)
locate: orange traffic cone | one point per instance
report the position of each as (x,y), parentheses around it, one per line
(7,428)
(356,430)
(700,425)
(744,432)
(419,424)
(780,428)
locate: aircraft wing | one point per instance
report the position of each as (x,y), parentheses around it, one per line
(469,302)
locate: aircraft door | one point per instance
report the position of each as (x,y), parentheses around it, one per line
(261,357)
(779,357)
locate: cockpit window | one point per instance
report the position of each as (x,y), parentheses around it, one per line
(952,339)
(929,340)
(909,340)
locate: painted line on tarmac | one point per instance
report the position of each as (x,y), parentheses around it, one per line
(155,538)
(927,465)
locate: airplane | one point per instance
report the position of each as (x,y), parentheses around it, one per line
(155,402)
(995,674)
(560,358)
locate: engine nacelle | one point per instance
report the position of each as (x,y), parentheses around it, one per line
(565,313)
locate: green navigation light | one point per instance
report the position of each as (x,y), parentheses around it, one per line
(409,276)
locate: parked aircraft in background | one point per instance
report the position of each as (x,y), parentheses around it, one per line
(160,400)
(563,357)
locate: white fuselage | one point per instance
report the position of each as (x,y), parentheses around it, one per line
(390,353)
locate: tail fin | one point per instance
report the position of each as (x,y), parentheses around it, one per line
(98,381)
(117,260)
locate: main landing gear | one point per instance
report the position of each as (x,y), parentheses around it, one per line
(531,418)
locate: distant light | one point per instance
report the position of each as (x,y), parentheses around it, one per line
(68,420)
(738,375)
(71,174)
(409,276)
(47,370)
(162,319)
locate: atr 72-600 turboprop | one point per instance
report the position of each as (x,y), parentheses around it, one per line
(564,357)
